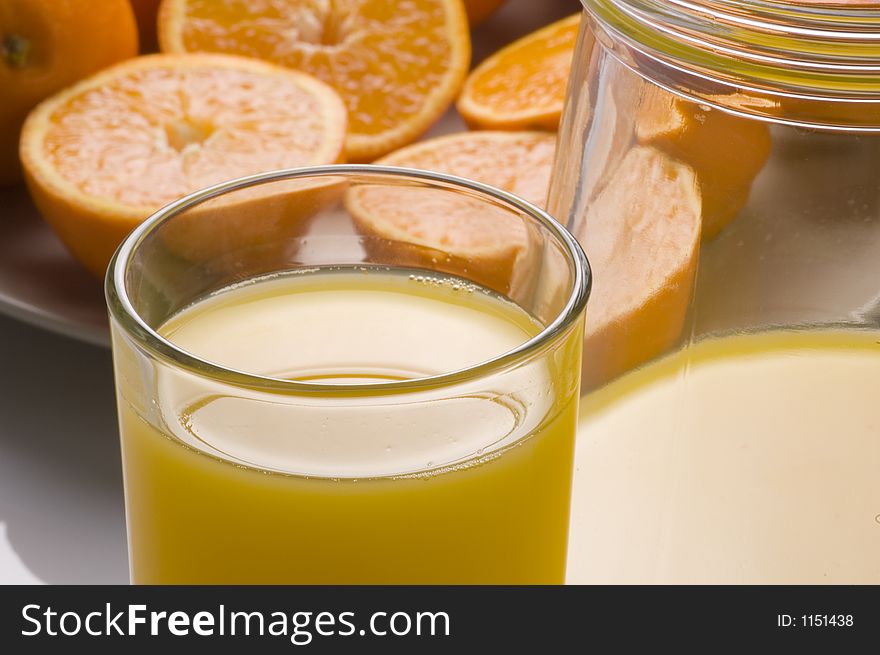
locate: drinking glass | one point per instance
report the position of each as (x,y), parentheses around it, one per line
(241,468)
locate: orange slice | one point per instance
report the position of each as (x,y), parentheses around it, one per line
(440,231)
(523,85)
(397,67)
(104,154)
(641,235)
(726,151)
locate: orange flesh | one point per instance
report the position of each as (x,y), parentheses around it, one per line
(519,163)
(154,134)
(643,238)
(531,77)
(641,235)
(527,78)
(387,61)
(516,162)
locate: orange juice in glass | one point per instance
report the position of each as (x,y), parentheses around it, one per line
(304,402)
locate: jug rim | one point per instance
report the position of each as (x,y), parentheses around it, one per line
(765,49)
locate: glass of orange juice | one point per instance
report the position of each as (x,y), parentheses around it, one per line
(348,374)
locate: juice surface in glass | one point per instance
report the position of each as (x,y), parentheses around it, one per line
(262,487)
(743,459)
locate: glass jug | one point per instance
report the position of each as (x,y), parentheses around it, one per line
(719,160)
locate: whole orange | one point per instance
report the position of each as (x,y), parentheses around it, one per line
(46,45)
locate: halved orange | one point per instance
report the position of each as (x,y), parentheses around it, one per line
(523,85)
(641,235)
(397,66)
(440,231)
(104,154)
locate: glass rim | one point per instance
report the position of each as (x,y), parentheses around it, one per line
(123,311)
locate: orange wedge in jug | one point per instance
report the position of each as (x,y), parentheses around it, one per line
(101,156)
(397,66)
(522,86)
(641,235)
(452,233)
(726,151)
